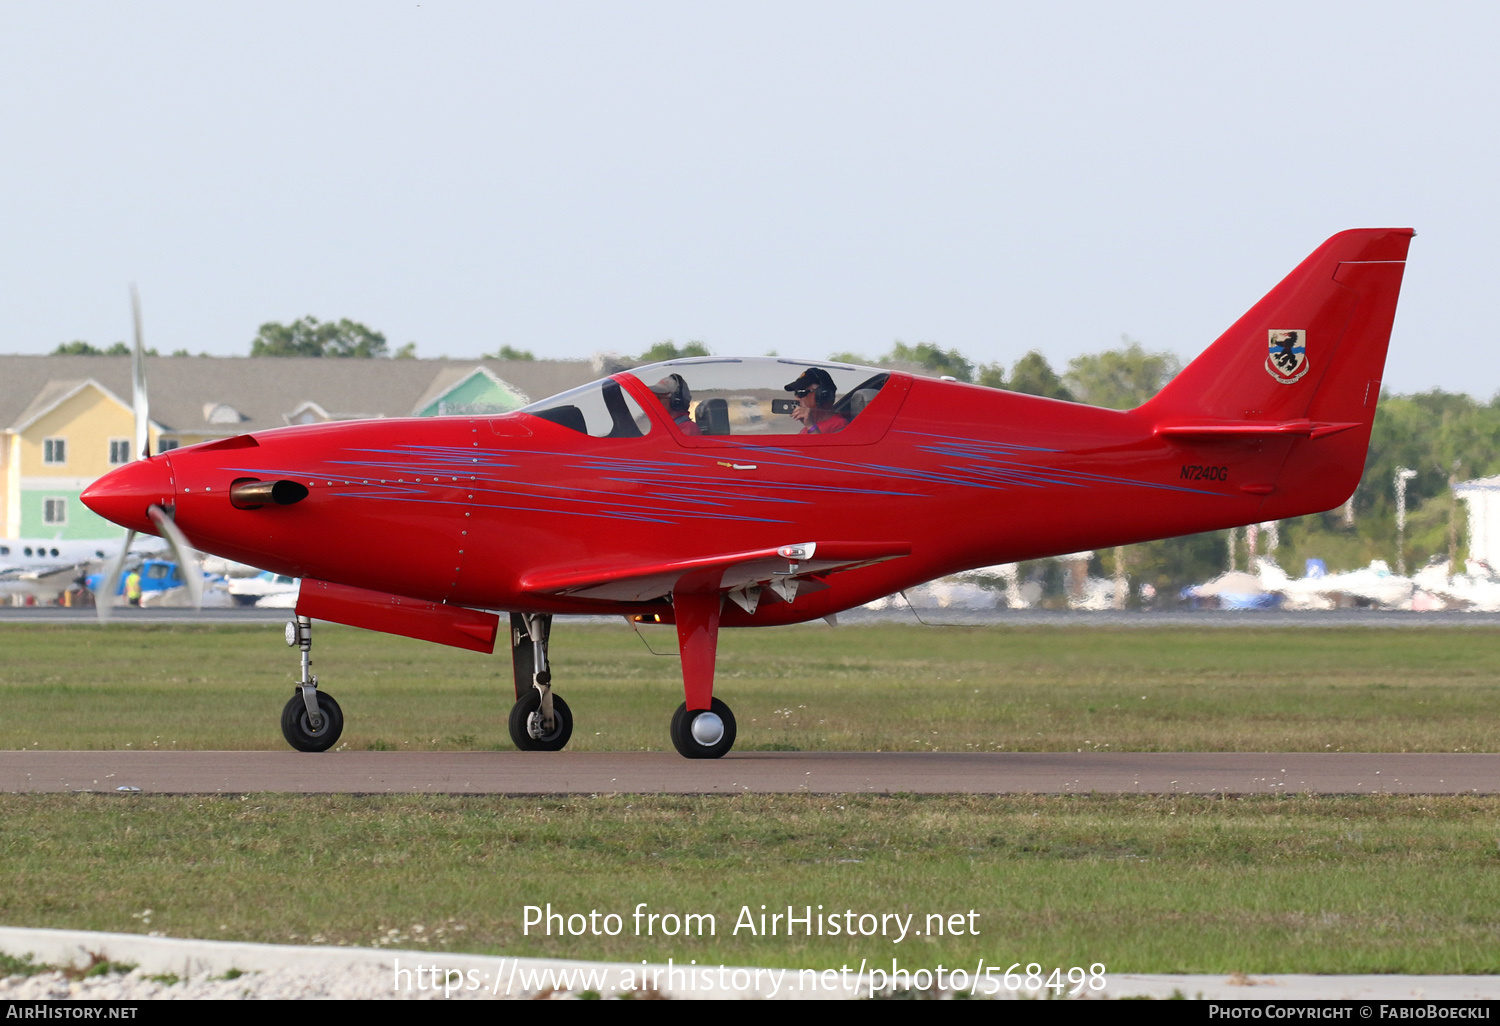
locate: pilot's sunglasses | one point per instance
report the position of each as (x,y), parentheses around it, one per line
(802,392)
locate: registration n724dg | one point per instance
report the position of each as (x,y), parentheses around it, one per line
(1197,472)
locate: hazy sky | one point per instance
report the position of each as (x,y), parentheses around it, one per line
(805,177)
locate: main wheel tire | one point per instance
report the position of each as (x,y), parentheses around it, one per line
(297,728)
(702,744)
(529,706)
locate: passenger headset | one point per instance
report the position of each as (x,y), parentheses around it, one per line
(679,398)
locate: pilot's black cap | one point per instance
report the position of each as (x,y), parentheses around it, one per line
(814,378)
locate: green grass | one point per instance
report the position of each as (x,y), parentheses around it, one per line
(891,688)
(1261,885)
(1258,885)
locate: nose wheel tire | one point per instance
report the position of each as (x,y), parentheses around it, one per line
(297,728)
(526,724)
(703,733)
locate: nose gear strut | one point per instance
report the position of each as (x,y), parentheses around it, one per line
(311,721)
(540,721)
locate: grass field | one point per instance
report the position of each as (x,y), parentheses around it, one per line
(1274,884)
(891,688)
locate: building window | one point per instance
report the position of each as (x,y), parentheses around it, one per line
(166,444)
(119,451)
(54,511)
(54,450)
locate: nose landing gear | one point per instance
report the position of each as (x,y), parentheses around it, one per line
(311,721)
(539,721)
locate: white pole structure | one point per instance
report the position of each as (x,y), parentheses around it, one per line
(1402,476)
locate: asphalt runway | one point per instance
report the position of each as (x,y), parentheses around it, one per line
(534,773)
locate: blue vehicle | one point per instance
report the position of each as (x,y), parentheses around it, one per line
(156,575)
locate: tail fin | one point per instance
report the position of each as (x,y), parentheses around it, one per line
(1315,342)
(1305,362)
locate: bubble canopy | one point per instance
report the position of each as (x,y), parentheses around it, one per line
(750,396)
(717,396)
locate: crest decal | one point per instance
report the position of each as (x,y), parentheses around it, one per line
(1287,361)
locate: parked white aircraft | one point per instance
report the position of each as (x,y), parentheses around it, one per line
(1374,584)
(48,567)
(265,590)
(1476,589)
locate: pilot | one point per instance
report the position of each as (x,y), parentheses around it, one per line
(675,397)
(815,392)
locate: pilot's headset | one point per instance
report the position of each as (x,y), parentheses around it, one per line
(819,382)
(674,393)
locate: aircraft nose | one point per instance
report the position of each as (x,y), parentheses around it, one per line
(122,496)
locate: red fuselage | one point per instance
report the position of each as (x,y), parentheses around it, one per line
(1271,421)
(463,510)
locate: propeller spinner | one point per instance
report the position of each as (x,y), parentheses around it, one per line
(141,495)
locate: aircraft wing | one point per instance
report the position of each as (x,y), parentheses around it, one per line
(38,580)
(33,574)
(783,569)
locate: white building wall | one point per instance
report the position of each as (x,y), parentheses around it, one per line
(1482,496)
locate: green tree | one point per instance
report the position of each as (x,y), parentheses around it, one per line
(311,337)
(1445,437)
(82,348)
(930,357)
(669,350)
(1033,375)
(1120,379)
(844,357)
(511,353)
(406,352)
(1427,432)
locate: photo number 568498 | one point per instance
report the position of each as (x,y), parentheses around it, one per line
(1076,982)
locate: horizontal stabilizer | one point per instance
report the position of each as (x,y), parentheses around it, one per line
(730,572)
(1241,429)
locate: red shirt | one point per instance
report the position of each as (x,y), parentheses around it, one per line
(831,423)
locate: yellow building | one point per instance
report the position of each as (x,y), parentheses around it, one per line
(69,418)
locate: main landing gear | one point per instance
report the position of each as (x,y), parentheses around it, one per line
(311,721)
(703,726)
(703,733)
(539,721)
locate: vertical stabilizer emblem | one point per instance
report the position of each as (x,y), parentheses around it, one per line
(1287,361)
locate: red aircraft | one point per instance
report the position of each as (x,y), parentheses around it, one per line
(712,492)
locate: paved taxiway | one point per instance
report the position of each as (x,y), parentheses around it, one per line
(750,772)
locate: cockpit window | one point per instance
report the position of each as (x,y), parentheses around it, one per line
(712,396)
(601,408)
